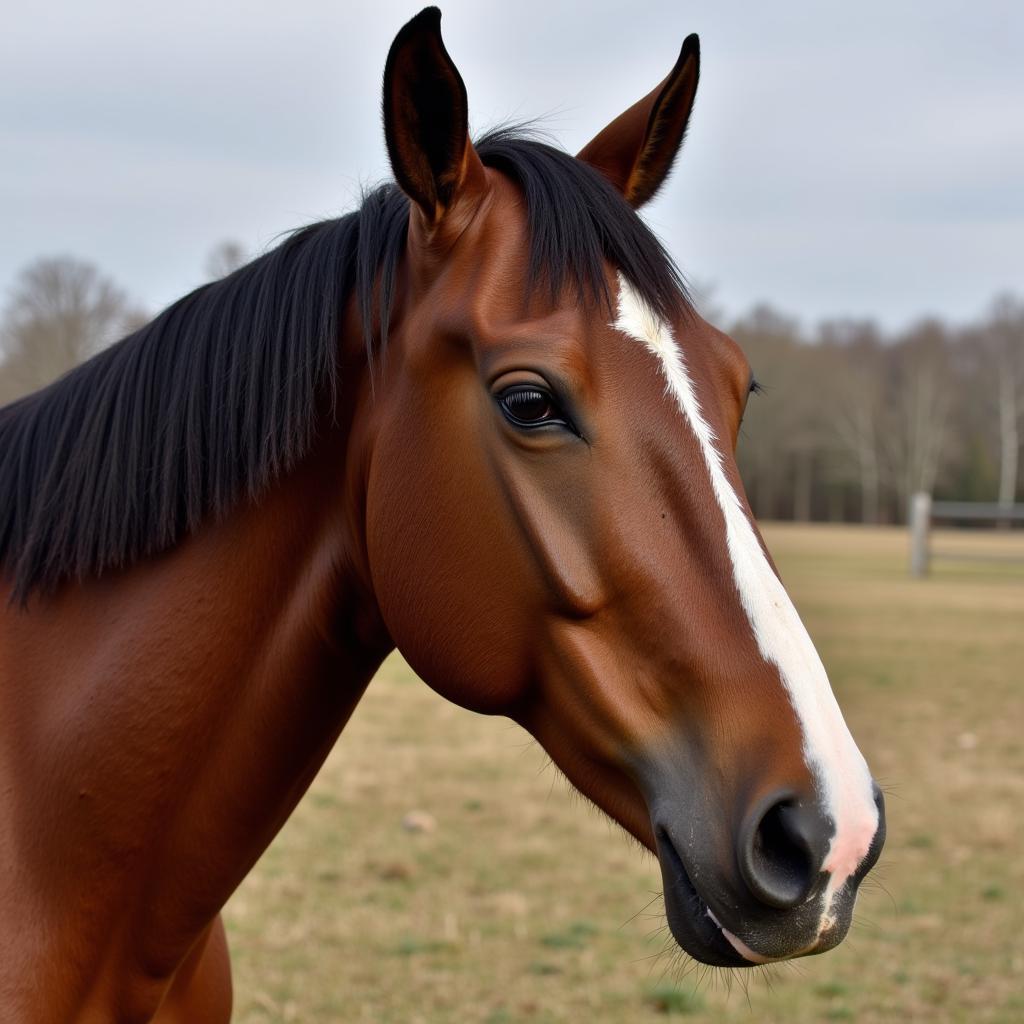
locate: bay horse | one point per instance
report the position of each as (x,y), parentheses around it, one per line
(477,420)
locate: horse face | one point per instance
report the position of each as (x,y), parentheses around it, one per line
(557,531)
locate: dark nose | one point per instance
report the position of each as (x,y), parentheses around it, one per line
(782,846)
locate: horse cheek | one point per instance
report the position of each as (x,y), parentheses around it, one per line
(449,580)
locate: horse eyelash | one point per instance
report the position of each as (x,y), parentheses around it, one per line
(756,388)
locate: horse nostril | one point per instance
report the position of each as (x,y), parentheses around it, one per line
(781,849)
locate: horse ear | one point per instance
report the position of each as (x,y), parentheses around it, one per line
(426,118)
(636,151)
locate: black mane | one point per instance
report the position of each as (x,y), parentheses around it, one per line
(222,392)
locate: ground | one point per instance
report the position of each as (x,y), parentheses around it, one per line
(516,901)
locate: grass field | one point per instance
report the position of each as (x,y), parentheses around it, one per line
(524,904)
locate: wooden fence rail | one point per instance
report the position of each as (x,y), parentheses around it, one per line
(924,511)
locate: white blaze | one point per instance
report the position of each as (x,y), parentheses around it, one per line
(829,750)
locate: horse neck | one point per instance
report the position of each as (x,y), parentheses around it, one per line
(162,722)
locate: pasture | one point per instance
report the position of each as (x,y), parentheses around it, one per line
(523,904)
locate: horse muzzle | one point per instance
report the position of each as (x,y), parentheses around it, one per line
(763,893)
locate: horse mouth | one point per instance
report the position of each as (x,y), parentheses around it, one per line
(690,919)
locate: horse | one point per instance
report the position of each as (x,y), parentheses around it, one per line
(477,420)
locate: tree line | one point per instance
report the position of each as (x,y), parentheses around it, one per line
(62,310)
(853,420)
(850,422)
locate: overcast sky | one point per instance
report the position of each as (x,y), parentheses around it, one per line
(844,158)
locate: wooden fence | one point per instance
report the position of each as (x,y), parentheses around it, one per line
(924,511)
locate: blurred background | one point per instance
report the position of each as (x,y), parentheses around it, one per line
(849,205)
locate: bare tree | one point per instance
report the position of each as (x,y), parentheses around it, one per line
(859,405)
(1004,351)
(771,341)
(224,258)
(921,403)
(61,311)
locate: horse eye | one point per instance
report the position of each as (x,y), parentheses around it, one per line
(526,405)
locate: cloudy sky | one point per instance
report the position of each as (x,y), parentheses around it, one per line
(858,159)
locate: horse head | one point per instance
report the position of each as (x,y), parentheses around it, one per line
(557,530)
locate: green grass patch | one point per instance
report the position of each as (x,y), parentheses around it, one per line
(673,1000)
(575,936)
(831,989)
(542,968)
(411,946)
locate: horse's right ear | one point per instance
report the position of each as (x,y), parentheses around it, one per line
(426,120)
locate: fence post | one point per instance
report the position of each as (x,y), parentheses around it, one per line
(920,521)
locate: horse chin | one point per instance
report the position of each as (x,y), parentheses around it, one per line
(690,919)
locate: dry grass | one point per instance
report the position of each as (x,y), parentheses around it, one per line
(523,904)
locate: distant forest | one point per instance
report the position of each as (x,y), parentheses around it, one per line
(854,420)
(851,420)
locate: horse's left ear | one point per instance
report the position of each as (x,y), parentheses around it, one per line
(636,151)
(426,120)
